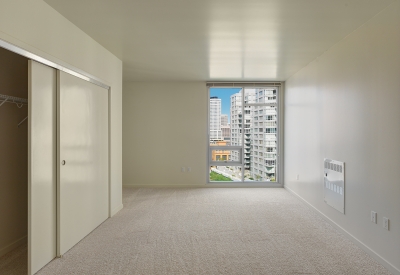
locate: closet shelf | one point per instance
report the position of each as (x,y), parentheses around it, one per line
(16,100)
(12,99)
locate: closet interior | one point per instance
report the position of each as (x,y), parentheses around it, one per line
(13,162)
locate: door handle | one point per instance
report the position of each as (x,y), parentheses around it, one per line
(63,162)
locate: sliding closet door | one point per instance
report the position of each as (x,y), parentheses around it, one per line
(82,159)
(41,166)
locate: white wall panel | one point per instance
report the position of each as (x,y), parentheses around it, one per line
(42,166)
(165,128)
(345,105)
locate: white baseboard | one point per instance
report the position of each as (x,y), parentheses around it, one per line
(349,236)
(14,245)
(116,210)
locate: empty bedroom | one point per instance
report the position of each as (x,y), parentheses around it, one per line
(201,137)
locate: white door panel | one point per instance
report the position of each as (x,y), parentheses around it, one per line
(42,177)
(83,145)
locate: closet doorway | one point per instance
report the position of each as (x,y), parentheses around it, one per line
(13,162)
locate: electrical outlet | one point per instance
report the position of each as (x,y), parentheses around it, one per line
(189,169)
(373,216)
(386,223)
(183,169)
(297,177)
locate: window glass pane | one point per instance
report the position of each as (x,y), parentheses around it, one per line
(221,117)
(224,155)
(252,127)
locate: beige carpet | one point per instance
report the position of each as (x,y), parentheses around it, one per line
(214,231)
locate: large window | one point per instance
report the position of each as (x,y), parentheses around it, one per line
(244,134)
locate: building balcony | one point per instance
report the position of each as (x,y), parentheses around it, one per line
(271,146)
(268,158)
(268,168)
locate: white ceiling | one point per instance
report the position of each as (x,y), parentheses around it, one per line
(240,40)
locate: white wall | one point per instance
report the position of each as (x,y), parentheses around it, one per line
(164,128)
(13,153)
(38,28)
(345,105)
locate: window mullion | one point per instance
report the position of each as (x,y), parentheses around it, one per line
(243,123)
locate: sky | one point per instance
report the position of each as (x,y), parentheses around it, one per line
(225,95)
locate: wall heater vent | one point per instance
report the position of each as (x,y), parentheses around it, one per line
(331,165)
(334,184)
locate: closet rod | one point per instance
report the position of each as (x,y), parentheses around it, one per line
(13,99)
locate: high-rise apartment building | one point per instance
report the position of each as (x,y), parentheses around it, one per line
(226,133)
(237,122)
(225,128)
(263,138)
(224,120)
(249,97)
(215,118)
(259,136)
